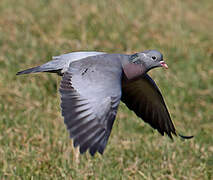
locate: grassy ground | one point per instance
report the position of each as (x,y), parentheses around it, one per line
(34,143)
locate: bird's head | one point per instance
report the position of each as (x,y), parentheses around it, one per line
(150,59)
(140,63)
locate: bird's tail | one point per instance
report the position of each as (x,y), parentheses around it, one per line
(59,63)
(48,67)
(31,70)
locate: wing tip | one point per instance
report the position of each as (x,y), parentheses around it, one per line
(185,137)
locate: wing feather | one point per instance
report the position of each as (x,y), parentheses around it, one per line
(89,112)
(145,99)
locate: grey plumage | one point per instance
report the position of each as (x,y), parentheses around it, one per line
(60,64)
(92,86)
(89,105)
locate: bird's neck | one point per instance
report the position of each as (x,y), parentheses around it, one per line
(132,70)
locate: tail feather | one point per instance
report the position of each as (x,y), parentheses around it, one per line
(59,63)
(31,70)
(39,69)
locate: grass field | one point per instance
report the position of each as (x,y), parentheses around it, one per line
(34,143)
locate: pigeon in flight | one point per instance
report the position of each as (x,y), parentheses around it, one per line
(92,86)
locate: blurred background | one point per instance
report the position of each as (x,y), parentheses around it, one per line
(34,142)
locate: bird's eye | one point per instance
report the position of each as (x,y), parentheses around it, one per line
(154,57)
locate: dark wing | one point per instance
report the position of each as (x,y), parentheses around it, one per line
(90,95)
(145,99)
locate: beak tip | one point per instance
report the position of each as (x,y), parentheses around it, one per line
(163,64)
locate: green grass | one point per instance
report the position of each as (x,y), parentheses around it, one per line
(34,143)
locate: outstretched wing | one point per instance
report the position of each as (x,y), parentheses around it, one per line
(90,95)
(145,99)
